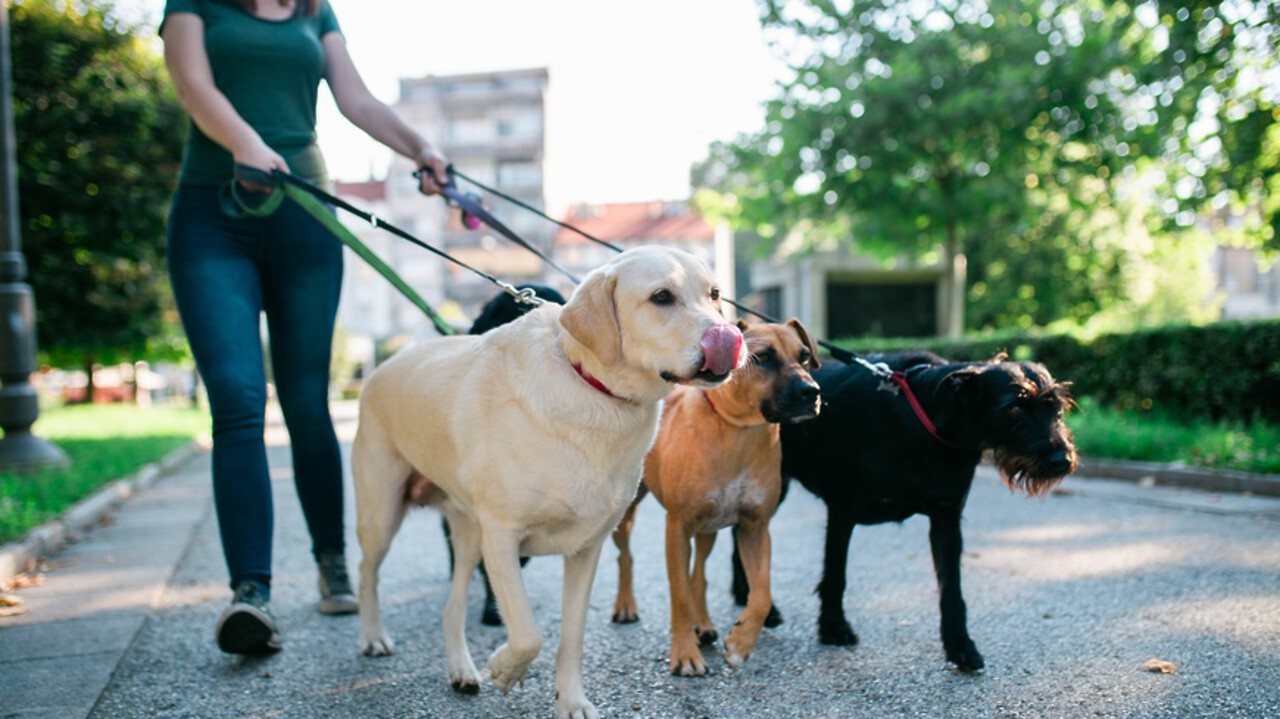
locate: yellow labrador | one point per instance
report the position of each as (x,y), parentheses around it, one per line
(530,439)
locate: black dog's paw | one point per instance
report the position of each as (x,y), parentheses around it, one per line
(774,619)
(837,632)
(965,656)
(491,617)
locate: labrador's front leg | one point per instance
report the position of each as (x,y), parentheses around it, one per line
(579,573)
(510,661)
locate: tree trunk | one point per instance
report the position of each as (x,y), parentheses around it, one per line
(89,388)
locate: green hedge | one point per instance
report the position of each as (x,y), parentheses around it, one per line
(1227,370)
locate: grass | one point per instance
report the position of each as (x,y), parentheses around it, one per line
(1155,438)
(105,443)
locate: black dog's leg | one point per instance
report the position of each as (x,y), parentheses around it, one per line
(741,590)
(947,544)
(833,628)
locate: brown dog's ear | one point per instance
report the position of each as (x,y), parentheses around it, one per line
(591,318)
(814,362)
(742,325)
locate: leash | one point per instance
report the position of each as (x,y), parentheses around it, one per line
(237,203)
(898,380)
(880,369)
(470,205)
(318,203)
(890,380)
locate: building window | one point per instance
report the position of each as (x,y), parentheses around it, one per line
(882,310)
(770,302)
(520,173)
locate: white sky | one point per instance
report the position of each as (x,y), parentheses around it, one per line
(638,89)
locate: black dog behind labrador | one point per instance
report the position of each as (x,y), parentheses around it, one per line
(503,308)
(870,458)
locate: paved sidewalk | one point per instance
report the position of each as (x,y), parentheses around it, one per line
(156,558)
(58,655)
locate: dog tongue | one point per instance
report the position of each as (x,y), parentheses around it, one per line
(720,345)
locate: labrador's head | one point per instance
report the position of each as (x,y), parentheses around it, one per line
(656,310)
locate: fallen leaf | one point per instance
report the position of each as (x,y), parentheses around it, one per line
(1159,666)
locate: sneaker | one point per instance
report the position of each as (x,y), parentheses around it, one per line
(336,596)
(247,627)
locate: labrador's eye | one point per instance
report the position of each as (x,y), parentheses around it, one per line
(805,357)
(662,297)
(715,294)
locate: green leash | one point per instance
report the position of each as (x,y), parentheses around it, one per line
(237,203)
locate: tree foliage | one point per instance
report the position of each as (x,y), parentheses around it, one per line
(99,136)
(1018,133)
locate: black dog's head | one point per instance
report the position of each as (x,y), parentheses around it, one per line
(503,308)
(1020,410)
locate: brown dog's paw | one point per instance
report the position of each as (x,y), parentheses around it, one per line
(687,662)
(625,614)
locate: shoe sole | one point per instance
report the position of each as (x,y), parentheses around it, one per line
(338,604)
(244,629)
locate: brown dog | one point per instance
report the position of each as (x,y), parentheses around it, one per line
(717,462)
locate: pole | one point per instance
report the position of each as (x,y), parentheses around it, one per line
(19,403)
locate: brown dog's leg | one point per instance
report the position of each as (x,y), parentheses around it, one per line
(703,627)
(624,606)
(754,544)
(686,658)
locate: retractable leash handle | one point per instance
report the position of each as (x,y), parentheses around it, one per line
(470,204)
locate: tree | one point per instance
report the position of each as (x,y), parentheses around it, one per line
(1203,86)
(1011,132)
(99,137)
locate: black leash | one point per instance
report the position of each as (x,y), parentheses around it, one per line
(470,204)
(836,351)
(237,202)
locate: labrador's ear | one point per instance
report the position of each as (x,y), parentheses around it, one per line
(814,362)
(591,318)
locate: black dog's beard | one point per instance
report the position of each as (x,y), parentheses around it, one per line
(1025,474)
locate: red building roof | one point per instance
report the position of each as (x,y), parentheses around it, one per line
(636,221)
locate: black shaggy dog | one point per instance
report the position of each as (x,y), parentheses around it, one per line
(870,457)
(503,308)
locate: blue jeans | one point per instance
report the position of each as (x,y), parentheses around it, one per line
(226,273)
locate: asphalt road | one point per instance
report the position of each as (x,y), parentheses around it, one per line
(1068,596)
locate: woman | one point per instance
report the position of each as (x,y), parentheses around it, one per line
(248,74)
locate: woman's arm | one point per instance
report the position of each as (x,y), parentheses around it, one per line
(373,116)
(188,64)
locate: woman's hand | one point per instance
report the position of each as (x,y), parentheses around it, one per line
(434,168)
(261,157)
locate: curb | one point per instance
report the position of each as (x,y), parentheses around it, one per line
(1178,474)
(48,538)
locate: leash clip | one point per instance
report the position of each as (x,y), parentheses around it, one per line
(525,297)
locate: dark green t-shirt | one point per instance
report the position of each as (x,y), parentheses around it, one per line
(270,70)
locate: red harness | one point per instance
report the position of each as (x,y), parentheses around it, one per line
(900,379)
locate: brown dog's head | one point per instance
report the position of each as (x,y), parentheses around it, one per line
(777,373)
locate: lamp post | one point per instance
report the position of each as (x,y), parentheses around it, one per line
(19,403)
